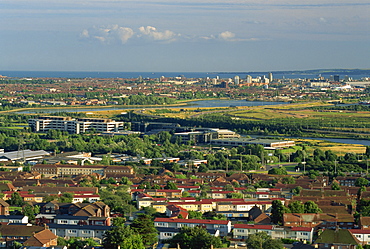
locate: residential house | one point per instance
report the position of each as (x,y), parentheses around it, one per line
(96,209)
(362,235)
(175,211)
(223,226)
(242,231)
(4,207)
(364,222)
(336,239)
(72,220)
(319,221)
(85,232)
(15,232)
(168,232)
(19,219)
(44,238)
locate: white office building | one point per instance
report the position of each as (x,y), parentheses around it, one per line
(76,126)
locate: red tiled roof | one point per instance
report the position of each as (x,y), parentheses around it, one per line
(196,221)
(253,226)
(187,198)
(193,202)
(308,229)
(359,231)
(159,199)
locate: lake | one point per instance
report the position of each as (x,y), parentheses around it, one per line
(198,103)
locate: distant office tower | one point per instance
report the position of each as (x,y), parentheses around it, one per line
(237,80)
(347,78)
(336,78)
(270,77)
(265,79)
(249,79)
(224,84)
(214,81)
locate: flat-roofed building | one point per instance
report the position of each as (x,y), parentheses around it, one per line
(272,143)
(76,126)
(53,170)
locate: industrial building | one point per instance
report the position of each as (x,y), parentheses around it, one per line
(26,155)
(270,143)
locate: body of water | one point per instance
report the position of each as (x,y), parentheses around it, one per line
(132,75)
(198,103)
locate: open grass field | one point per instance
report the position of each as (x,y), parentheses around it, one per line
(337,148)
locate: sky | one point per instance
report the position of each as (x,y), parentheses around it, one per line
(183,35)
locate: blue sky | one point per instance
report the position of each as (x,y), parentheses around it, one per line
(185,35)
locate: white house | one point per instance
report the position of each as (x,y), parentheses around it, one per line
(224,226)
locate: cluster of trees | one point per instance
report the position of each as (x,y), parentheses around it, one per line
(76,242)
(140,234)
(262,240)
(278,209)
(194,237)
(118,199)
(142,99)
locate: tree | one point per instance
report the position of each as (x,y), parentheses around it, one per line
(335,185)
(228,187)
(361,182)
(297,190)
(66,197)
(170,185)
(278,171)
(149,211)
(16,200)
(311,207)
(277,212)
(145,226)
(296,207)
(288,180)
(28,210)
(203,168)
(195,215)
(50,198)
(195,237)
(121,236)
(262,240)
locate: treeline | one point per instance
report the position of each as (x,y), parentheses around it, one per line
(354,107)
(142,99)
(23,81)
(287,126)
(49,96)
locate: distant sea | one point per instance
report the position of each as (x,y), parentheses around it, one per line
(131,75)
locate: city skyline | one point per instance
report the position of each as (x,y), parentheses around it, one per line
(189,35)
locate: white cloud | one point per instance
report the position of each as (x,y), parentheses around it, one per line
(109,34)
(323,20)
(85,33)
(115,33)
(227,36)
(152,32)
